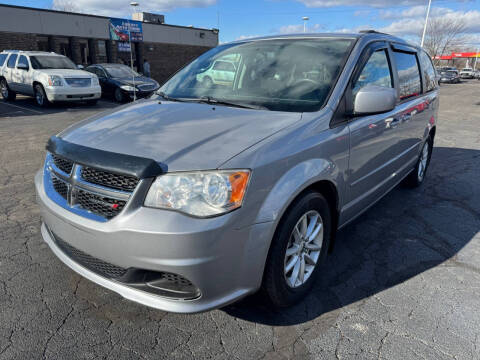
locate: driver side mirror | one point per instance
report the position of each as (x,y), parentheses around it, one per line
(373,99)
(80,67)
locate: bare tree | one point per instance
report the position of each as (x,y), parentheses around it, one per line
(443,35)
(65,5)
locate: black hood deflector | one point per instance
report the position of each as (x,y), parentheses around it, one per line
(105,160)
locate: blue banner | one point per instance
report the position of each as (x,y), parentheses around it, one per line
(120,29)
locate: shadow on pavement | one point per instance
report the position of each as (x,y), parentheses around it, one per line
(407,233)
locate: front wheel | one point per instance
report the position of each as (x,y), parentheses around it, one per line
(300,244)
(40,96)
(118,95)
(7,94)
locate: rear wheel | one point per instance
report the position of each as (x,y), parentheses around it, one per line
(40,96)
(300,244)
(7,94)
(417,176)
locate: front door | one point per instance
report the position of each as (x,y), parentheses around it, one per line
(374,139)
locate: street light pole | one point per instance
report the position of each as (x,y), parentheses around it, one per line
(305,19)
(133,4)
(426,22)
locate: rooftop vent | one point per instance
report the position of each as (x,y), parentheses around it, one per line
(149,17)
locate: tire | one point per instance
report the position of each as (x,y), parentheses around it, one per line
(92,102)
(7,94)
(207,82)
(118,95)
(418,174)
(40,96)
(280,285)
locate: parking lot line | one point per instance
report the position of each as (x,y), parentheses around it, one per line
(23,108)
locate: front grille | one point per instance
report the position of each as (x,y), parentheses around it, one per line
(108,179)
(78,82)
(63,164)
(98,266)
(101,205)
(60,187)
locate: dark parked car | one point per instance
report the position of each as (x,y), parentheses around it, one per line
(118,80)
(449,76)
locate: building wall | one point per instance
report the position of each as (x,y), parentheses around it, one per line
(165,59)
(57,23)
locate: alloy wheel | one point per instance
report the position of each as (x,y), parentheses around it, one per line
(303,249)
(422,165)
(4,89)
(39,96)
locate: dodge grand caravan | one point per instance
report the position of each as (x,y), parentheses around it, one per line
(200,195)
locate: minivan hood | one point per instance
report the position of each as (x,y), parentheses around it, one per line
(181,136)
(67,73)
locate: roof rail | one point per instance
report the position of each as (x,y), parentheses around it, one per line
(371,32)
(15,51)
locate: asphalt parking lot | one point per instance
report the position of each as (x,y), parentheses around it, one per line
(403,281)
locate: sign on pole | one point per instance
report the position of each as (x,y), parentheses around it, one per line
(120,29)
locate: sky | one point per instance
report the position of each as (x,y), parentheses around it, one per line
(238,19)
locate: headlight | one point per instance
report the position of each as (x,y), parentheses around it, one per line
(95,81)
(127,87)
(55,80)
(202,194)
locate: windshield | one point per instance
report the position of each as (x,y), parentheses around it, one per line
(120,71)
(51,62)
(281,75)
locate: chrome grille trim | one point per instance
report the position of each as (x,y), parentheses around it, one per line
(100,196)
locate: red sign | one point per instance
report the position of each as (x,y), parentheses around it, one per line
(465,55)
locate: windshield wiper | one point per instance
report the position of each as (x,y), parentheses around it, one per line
(168,98)
(213,101)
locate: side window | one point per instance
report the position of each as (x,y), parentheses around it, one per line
(11,61)
(428,71)
(22,61)
(3,57)
(375,72)
(408,74)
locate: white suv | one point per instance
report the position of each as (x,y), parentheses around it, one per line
(467,73)
(48,77)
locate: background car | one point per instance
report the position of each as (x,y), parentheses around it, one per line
(48,77)
(467,73)
(449,76)
(221,72)
(118,80)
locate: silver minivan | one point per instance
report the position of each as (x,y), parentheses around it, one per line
(206,192)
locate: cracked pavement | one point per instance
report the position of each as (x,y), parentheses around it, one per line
(403,281)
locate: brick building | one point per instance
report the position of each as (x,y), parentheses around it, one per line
(86,39)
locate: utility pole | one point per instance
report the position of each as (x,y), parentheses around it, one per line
(426,22)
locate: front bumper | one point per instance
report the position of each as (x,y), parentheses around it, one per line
(68,93)
(224,262)
(138,94)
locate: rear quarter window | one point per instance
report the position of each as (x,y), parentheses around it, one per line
(428,71)
(408,74)
(3,57)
